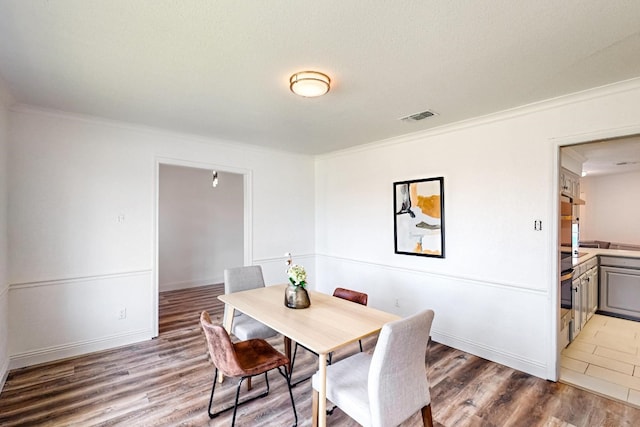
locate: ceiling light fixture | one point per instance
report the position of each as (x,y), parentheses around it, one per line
(309,84)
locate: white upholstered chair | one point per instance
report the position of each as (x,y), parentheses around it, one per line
(242,279)
(388,387)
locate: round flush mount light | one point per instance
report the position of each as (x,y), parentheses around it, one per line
(309,83)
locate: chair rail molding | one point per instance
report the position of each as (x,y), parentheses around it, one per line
(67,280)
(60,318)
(470,313)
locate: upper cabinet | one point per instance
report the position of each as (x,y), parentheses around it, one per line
(569,184)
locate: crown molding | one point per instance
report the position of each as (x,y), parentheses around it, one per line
(535,107)
(151,130)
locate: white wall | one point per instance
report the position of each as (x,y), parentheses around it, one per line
(495,293)
(71,260)
(73,264)
(5,100)
(200,227)
(612,208)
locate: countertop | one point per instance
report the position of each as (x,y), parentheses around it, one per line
(590,253)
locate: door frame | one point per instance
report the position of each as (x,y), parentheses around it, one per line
(556,144)
(247,219)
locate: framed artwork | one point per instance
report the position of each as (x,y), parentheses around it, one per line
(418,217)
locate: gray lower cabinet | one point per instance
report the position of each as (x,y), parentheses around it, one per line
(584,300)
(592,283)
(620,286)
(579,296)
(585,295)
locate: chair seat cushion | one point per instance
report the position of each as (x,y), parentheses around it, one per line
(347,386)
(247,328)
(258,356)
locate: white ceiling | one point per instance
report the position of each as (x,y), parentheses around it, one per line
(608,157)
(220,68)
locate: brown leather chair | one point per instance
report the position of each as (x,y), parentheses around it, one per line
(354,296)
(243,359)
(350,295)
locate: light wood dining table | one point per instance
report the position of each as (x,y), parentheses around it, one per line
(328,324)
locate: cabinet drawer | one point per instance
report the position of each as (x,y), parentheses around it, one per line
(615,261)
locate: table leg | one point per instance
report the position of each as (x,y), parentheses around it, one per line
(227,323)
(314,407)
(322,404)
(287,352)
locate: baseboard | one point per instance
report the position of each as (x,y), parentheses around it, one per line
(533,367)
(50,354)
(174,286)
(4,373)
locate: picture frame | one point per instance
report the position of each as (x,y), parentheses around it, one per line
(418,217)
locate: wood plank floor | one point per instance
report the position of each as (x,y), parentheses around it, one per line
(166,382)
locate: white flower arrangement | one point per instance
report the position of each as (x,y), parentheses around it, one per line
(297,274)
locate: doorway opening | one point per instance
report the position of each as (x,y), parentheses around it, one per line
(598,349)
(202,225)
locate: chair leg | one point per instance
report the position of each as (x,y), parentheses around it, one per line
(293,359)
(235,405)
(213,389)
(293,362)
(287,352)
(287,377)
(237,401)
(427,418)
(249,384)
(360,342)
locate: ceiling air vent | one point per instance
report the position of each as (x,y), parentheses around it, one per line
(418,116)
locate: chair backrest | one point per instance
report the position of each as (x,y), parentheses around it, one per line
(348,294)
(398,384)
(243,278)
(221,349)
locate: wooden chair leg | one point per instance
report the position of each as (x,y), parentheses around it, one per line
(249,384)
(287,352)
(427,418)
(314,407)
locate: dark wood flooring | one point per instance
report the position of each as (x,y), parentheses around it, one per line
(166,382)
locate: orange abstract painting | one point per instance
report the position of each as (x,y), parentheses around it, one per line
(419,217)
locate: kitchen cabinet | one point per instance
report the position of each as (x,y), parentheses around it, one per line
(620,286)
(585,294)
(592,285)
(580,304)
(569,184)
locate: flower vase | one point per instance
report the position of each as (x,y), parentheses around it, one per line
(296,297)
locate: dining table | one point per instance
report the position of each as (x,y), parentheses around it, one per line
(326,325)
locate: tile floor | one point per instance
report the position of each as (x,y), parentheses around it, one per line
(605,359)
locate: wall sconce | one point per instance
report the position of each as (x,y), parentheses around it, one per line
(309,84)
